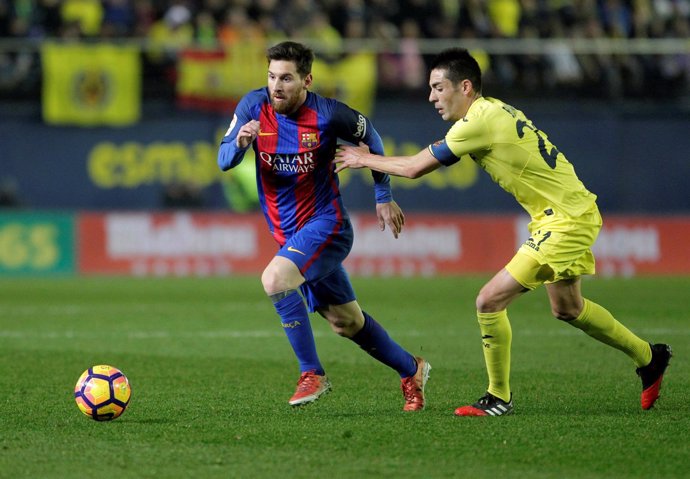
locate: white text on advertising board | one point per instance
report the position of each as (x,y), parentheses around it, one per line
(131,235)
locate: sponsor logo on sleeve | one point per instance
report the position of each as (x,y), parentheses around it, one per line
(361,127)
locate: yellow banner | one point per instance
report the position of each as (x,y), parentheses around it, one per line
(351,80)
(91,85)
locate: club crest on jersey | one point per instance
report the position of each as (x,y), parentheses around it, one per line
(310,140)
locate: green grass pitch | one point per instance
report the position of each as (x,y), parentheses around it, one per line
(211,373)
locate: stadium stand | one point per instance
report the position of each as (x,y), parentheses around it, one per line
(584,48)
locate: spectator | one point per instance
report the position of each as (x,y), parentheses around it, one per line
(169,25)
(563,68)
(144,17)
(7,15)
(505,17)
(402,66)
(216,8)
(87,14)
(166,37)
(238,26)
(118,18)
(47,21)
(169,34)
(205,29)
(320,31)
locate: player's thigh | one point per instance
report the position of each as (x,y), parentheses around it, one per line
(319,248)
(564,245)
(570,255)
(528,271)
(335,289)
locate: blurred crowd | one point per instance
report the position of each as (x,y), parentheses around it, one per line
(165,26)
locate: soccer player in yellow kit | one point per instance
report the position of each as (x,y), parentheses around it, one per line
(565,223)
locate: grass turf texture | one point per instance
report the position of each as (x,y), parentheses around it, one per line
(211,373)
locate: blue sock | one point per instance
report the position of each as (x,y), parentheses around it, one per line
(375,341)
(295,320)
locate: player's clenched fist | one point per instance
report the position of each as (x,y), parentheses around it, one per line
(248,132)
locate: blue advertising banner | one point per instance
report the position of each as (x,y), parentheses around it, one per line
(633,161)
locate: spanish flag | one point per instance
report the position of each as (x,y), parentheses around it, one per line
(202,81)
(91,84)
(215,80)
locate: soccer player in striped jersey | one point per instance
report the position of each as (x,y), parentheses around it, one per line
(565,223)
(294,133)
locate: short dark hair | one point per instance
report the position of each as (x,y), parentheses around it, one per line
(459,65)
(298,53)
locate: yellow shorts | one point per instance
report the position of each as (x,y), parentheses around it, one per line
(558,248)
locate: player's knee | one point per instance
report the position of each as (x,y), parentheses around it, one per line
(268,282)
(486,303)
(564,313)
(272,282)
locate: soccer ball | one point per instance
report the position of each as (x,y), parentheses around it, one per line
(102,392)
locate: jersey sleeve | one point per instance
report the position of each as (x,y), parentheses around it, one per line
(464,137)
(229,154)
(355,127)
(443,153)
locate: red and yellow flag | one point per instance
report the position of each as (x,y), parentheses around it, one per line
(215,80)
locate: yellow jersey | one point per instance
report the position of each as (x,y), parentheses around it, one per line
(518,156)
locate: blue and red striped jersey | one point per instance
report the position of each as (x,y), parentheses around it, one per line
(294,158)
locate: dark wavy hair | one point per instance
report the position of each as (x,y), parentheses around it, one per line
(301,55)
(459,65)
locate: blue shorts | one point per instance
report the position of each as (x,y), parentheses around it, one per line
(318,250)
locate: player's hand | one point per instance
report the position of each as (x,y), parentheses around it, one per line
(247,134)
(390,214)
(350,156)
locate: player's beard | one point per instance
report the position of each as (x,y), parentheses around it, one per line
(287,105)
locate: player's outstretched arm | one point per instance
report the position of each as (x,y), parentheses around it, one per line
(406,166)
